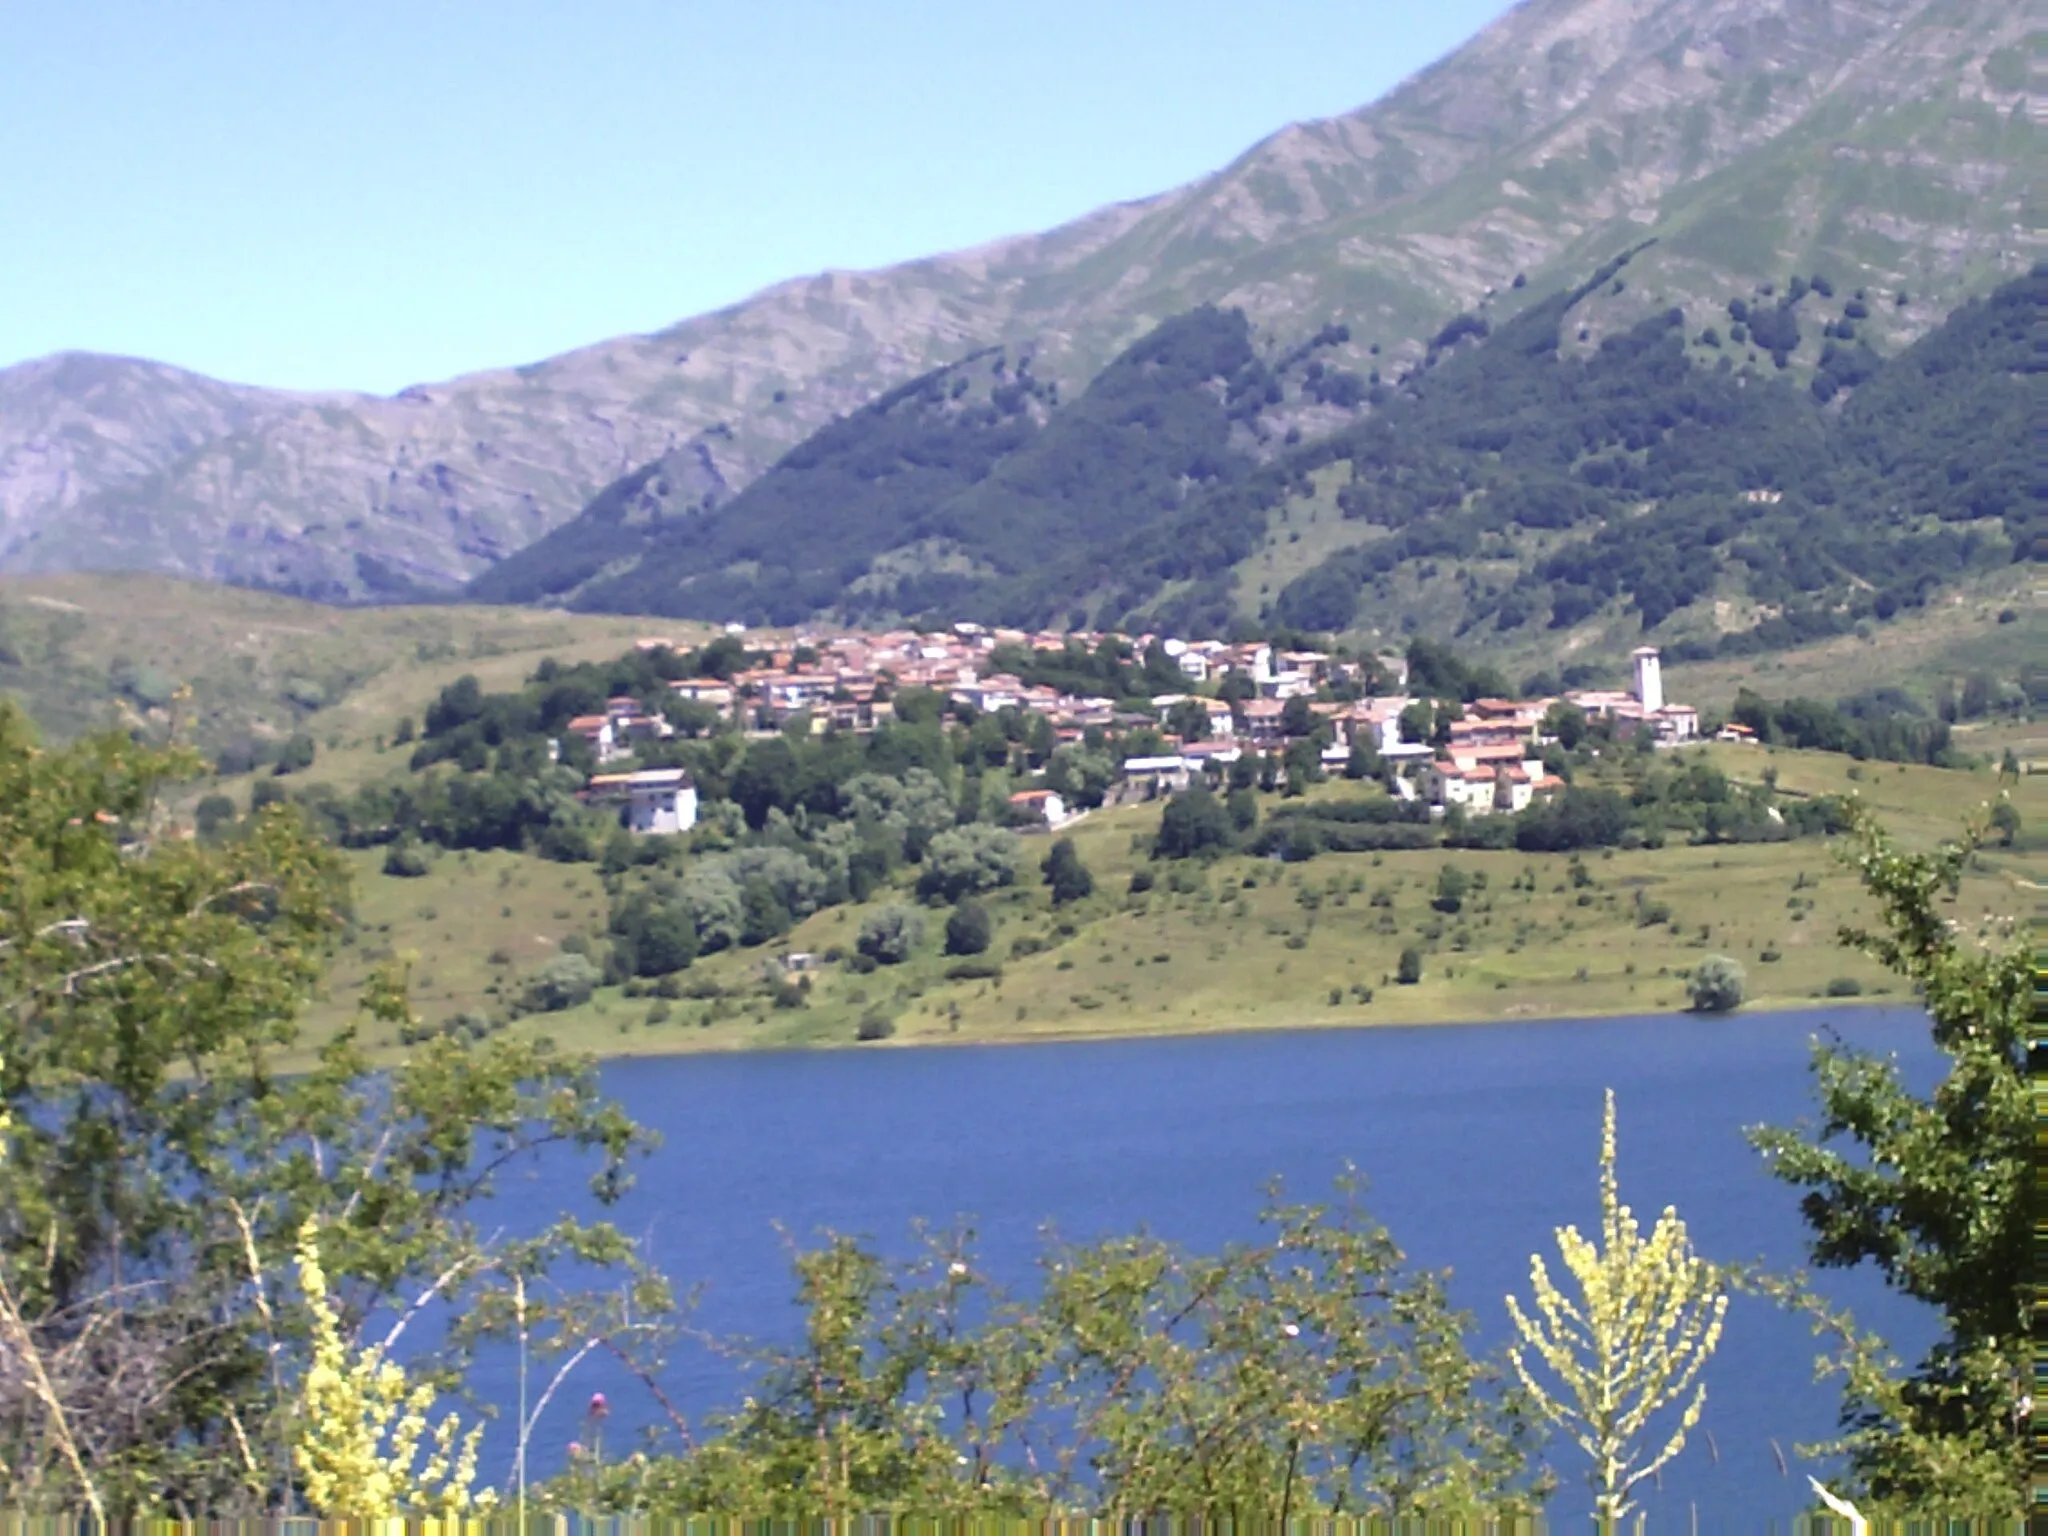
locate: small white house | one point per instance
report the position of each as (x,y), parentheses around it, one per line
(1043,807)
(661,802)
(654,802)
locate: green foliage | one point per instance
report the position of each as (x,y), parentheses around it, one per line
(1885,725)
(1307,1371)
(1932,1191)
(969,929)
(1716,985)
(1472,449)
(567,981)
(976,455)
(1195,824)
(145,1223)
(890,935)
(1065,874)
(1408,970)
(407,858)
(968,861)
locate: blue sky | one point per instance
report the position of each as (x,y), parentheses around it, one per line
(366,195)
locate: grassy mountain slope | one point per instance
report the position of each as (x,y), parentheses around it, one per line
(83,652)
(1885,141)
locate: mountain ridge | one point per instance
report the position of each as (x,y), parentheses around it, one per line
(1886,140)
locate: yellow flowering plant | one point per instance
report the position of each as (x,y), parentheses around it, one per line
(1648,1317)
(363,1424)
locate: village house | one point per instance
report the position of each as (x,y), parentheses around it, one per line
(1262,719)
(1038,810)
(654,802)
(597,731)
(1150,776)
(1483,786)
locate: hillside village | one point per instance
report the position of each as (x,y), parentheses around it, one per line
(1238,701)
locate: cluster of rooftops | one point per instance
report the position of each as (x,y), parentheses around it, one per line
(847,681)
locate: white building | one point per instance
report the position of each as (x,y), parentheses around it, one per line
(1649,679)
(655,802)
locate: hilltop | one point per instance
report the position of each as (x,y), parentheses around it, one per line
(1886,144)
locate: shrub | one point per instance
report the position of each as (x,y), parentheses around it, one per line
(968,929)
(889,936)
(658,1012)
(977,969)
(874,1026)
(407,859)
(1845,986)
(564,982)
(966,861)
(1715,985)
(1409,970)
(1141,881)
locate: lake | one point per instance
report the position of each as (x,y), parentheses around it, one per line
(1478,1141)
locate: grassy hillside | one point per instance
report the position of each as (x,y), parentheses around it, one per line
(87,651)
(1241,943)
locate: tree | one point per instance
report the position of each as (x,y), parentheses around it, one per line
(1716,985)
(1304,1371)
(213,815)
(1298,716)
(1066,874)
(1364,761)
(890,935)
(1189,720)
(968,929)
(1195,824)
(1418,721)
(1567,722)
(1408,970)
(1451,885)
(1648,1315)
(1935,1194)
(295,754)
(146,1227)
(968,861)
(567,981)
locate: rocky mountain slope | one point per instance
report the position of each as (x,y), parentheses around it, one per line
(1884,141)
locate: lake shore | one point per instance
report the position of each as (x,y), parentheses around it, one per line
(722,1043)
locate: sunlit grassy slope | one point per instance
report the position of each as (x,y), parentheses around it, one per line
(1242,943)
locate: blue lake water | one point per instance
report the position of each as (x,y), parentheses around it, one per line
(1478,1141)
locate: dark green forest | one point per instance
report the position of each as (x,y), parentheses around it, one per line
(1652,471)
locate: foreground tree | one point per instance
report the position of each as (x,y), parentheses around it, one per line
(1307,1371)
(1649,1314)
(161,1164)
(1932,1191)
